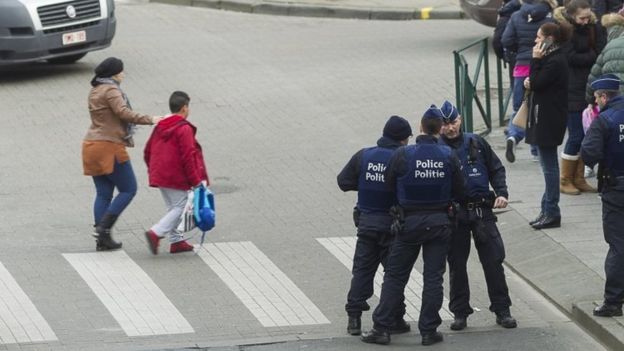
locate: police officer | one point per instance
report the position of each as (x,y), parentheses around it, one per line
(480,167)
(426,176)
(365,174)
(604,144)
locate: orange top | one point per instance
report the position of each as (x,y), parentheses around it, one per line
(98,157)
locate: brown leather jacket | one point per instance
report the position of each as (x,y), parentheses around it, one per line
(110,116)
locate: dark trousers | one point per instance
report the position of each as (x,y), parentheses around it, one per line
(371,249)
(491,252)
(613,228)
(403,253)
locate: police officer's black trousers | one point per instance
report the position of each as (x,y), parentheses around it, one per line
(403,254)
(371,250)
(489,245)
(613,228)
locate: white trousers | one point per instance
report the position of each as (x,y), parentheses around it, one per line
(175,200)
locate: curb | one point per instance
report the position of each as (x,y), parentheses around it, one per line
(289,9)
(559,276)
(607,330)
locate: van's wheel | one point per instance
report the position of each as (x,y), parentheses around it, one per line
(64,60)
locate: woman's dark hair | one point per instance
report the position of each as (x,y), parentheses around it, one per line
(572,6)
(560,32)
(431,126)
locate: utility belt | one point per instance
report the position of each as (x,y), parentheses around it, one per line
(412,210)
(486,201)
(399,214)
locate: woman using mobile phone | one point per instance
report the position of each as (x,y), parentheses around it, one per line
(548,112)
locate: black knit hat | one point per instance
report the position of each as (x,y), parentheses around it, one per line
(397,128)
(109,67)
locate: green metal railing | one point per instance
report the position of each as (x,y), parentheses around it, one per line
(466,87)
(503,99)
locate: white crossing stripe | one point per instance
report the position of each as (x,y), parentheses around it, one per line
(262,287)
(343,249)
(20,321)
(132,298)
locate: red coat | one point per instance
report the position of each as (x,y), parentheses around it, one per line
(174,158)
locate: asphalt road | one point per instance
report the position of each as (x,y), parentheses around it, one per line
(281,103)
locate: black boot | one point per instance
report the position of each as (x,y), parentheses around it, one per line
(548,222)
(104,241)
(605,310)
(505,320)
(375,336)
(355,325)
(459,323)
(431,338)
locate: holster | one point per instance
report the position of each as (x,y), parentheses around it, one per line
(606,180)
(398,219)
(356,216)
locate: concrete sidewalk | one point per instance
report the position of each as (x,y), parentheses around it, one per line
(359,9)
(564,264)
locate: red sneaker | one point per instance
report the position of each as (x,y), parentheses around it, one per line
(152,241)
(180,246)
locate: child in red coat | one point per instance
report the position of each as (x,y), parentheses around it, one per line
(175,165)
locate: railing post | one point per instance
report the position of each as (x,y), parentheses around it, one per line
(488,107)
(458,88)
(499,90)
(468,97)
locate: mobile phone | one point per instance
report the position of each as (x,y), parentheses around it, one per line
(546,44)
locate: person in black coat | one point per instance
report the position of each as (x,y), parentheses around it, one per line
(548,113)
(582,50)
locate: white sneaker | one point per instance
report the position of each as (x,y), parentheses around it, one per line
(534,158)
(589,172)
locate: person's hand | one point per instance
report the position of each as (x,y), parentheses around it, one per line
(156,119)
(537,51)
(500,202)
(527,83)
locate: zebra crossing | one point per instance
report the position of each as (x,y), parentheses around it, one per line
(141,309)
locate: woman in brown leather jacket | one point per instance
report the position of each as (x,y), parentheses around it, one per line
(104,155)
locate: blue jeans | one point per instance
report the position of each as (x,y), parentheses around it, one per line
(124,180)
(550,167)
(517,95)
(575,133)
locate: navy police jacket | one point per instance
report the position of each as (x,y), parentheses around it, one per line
(604,140)
(425,175)
(480,166)
(364,173)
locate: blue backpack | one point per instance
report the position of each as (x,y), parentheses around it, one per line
(204,210)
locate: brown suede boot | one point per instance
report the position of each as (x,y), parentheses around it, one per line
(566,183)
(579,179)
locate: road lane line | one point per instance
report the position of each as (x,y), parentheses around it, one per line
(129,294)
(20,321)
(343,249)
(260,285)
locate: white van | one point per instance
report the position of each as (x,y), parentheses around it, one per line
(54,30)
